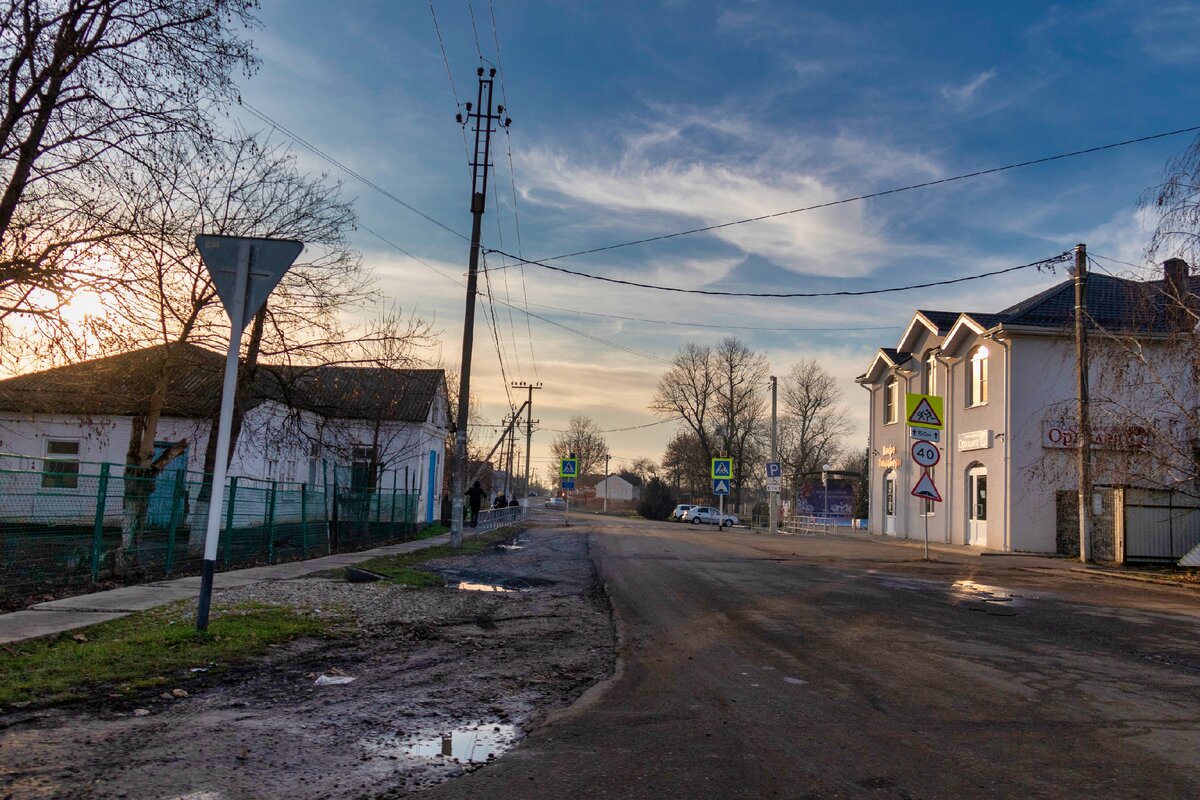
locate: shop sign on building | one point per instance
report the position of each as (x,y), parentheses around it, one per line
(975,440)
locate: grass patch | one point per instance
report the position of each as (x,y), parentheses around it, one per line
(402,568)
(144,650)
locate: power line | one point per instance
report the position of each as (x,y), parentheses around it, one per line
(437,29)
(1118,261)
(706,325)
(263,116)
(844,293)
(587,335)
(882,193)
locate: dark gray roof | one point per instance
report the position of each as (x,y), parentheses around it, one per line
(897,357)
(122,385)
(943,319)
(1113,303)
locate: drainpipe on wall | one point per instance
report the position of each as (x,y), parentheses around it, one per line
(951,489)
(1007,345)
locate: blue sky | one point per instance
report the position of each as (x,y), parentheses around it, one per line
(634,119)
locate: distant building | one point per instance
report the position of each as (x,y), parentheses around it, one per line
(1007,471)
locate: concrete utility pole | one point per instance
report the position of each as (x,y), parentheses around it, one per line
(528,425)
(773,497)
(606,481)
(1084,454)
(480,166)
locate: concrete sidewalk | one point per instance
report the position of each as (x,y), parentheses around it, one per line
(69,613)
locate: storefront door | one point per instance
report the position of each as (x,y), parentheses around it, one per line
(977,506)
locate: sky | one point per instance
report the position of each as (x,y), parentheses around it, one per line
(637,119)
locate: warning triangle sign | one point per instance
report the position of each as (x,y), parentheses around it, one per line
(924,414)
(926,489)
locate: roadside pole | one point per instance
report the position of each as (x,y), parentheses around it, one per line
(773,497)
(243,271)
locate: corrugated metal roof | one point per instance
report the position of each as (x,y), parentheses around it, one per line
(122,385)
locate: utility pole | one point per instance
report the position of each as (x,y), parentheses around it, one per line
(606,482)
(480,166)
(1084,455)
(528,425)
(773,497)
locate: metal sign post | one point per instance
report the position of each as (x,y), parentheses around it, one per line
(244,271)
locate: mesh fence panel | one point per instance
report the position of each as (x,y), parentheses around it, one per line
(85,524)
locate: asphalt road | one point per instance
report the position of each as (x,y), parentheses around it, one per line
(793,667)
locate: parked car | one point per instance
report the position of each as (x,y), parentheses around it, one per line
(678,513)
(710,516)
(556,502)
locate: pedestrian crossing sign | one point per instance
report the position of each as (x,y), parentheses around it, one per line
(925,410)
(568,468)
(722,468)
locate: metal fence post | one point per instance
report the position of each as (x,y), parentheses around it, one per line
(232,499)
(98,528)
(176,515)
(271,525)
(304,520)
(392,518)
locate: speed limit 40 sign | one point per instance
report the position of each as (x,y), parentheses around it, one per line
(926,454)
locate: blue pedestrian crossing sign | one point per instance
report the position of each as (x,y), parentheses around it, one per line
(720,486)
(722,467)
(568,468)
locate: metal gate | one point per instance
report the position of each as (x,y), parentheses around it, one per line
(1160,525)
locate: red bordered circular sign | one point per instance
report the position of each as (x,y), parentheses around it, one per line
(926,453)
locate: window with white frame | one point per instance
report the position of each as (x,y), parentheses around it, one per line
(926,507)
(929,383)
(314,463)
(60,467)
(977,376)
(890,400)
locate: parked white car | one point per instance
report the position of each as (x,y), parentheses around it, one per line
(709,515)
(556,502)
(679,511)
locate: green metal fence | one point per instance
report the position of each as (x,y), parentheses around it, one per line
(80,524)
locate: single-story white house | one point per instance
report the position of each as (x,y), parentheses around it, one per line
(362,427)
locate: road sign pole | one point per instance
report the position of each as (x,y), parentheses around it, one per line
(773,497)
(225,422)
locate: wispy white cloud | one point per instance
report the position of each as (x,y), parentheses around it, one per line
(965,92)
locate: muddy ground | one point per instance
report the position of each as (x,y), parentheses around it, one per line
(443,679)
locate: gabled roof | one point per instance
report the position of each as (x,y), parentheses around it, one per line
(936,322)
(886,358)
(121,385)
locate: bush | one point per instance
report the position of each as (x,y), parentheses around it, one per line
(656,502)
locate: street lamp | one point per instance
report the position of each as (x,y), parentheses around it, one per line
(825,468)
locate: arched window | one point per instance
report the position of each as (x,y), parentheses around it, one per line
(889,400)
(977,376)
(929,385)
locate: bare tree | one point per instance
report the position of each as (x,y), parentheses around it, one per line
(718,393)
(583,438)
(814,422)
(686,465)
(86,80)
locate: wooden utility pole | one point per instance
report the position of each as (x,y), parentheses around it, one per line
(1084,435)
(480,166)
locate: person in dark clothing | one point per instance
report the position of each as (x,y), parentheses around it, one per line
(446,509)
(475,499)
(514,503)
(501,501)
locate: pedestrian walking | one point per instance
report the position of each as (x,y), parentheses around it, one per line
(475,499)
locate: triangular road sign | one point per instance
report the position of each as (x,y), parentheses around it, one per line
(926,489)
(924,414)
(269,260)
(720,486)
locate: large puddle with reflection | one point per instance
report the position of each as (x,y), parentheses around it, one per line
(473,743)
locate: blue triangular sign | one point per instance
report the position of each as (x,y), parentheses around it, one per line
(269,260)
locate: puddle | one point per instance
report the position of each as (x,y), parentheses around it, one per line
(473,743)
(510,547)
(467,586)
(993,600)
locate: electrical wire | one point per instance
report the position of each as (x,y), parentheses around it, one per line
(779,295)
(1118,261)
(264,117)
(883,193)
(450,77)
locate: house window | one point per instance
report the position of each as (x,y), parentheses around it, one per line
(889,400)
(60,467)
(977,376)
(926,507)
(930,381)
(272,468)
(314,462)
(364,467)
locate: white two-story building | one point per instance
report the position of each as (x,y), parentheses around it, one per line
(1008,382)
